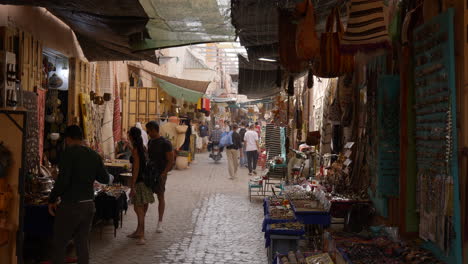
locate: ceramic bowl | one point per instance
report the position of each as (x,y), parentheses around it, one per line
(54,136)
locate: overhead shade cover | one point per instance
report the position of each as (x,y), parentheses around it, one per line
(179,92)
(257,79)
(181,22)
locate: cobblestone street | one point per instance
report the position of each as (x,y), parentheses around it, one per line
(208,219)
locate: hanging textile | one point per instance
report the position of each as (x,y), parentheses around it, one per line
(41,99)
(199,104)
(367,28)
(107,133)
(179,92)
(207,104)
(117,124)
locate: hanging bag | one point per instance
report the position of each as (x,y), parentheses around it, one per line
(307,42)
(367,32)
(332,63)
(287,44)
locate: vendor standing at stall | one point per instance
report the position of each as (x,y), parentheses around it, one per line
(79,167)
(123,150)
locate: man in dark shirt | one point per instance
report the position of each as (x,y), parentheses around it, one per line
(161,154)
(204,132)
(79,167)
(232,153)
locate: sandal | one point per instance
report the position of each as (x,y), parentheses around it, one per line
(133,235)
(141,242)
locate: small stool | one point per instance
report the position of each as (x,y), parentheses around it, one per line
(255,185)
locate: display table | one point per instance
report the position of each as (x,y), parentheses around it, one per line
(39,223)
(116,168)
(110,207)
(267,220)
(312,216)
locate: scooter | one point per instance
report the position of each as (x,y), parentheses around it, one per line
(216,153)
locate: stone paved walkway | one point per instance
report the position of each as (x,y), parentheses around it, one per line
(209,219)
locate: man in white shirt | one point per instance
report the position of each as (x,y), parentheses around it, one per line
(252,148)
(144,135)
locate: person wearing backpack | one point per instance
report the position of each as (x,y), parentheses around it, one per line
(161,158)
(233,144)
(140,193)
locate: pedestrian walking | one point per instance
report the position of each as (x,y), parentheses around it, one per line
(79,167)
(161,155)
(204,132)
(252,148)
(140,194)
(232,153)
(243,154)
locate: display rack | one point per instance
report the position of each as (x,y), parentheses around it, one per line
(436,136)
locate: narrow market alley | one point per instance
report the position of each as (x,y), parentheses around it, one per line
(209,219)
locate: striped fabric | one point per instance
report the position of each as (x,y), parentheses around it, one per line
(367,28)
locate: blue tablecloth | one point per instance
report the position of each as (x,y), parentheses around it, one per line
(267,219)
(313,217)
(37,221)
(280,232)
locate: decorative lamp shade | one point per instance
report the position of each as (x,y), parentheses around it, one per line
(55,81)
(367,29)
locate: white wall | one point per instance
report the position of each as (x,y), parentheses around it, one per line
(43,26)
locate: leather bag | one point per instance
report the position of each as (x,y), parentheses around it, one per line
(287,44)
(307,42)
(332,62)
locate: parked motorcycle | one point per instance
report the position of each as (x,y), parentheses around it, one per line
(216,153)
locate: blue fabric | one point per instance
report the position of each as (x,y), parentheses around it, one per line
(38,221)
(269,231)
(226,140)
(313,218)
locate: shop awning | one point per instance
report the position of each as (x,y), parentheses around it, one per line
(179,92)
(189,90)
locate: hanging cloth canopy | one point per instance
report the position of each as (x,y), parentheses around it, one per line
(179,92)
(181,22)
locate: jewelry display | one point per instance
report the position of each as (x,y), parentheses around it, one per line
(435,128)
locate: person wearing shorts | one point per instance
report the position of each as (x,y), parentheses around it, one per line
(140,194)
(161,155)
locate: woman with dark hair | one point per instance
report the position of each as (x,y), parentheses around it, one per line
(141,195)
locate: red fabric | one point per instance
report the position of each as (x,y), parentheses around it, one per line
(206,104)
(117,124)
(41,99)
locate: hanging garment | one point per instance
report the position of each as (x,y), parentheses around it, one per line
(307,42)
(199,104)
(107,133)
(117,124)
(332,62)
(335,113)
(367,29)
